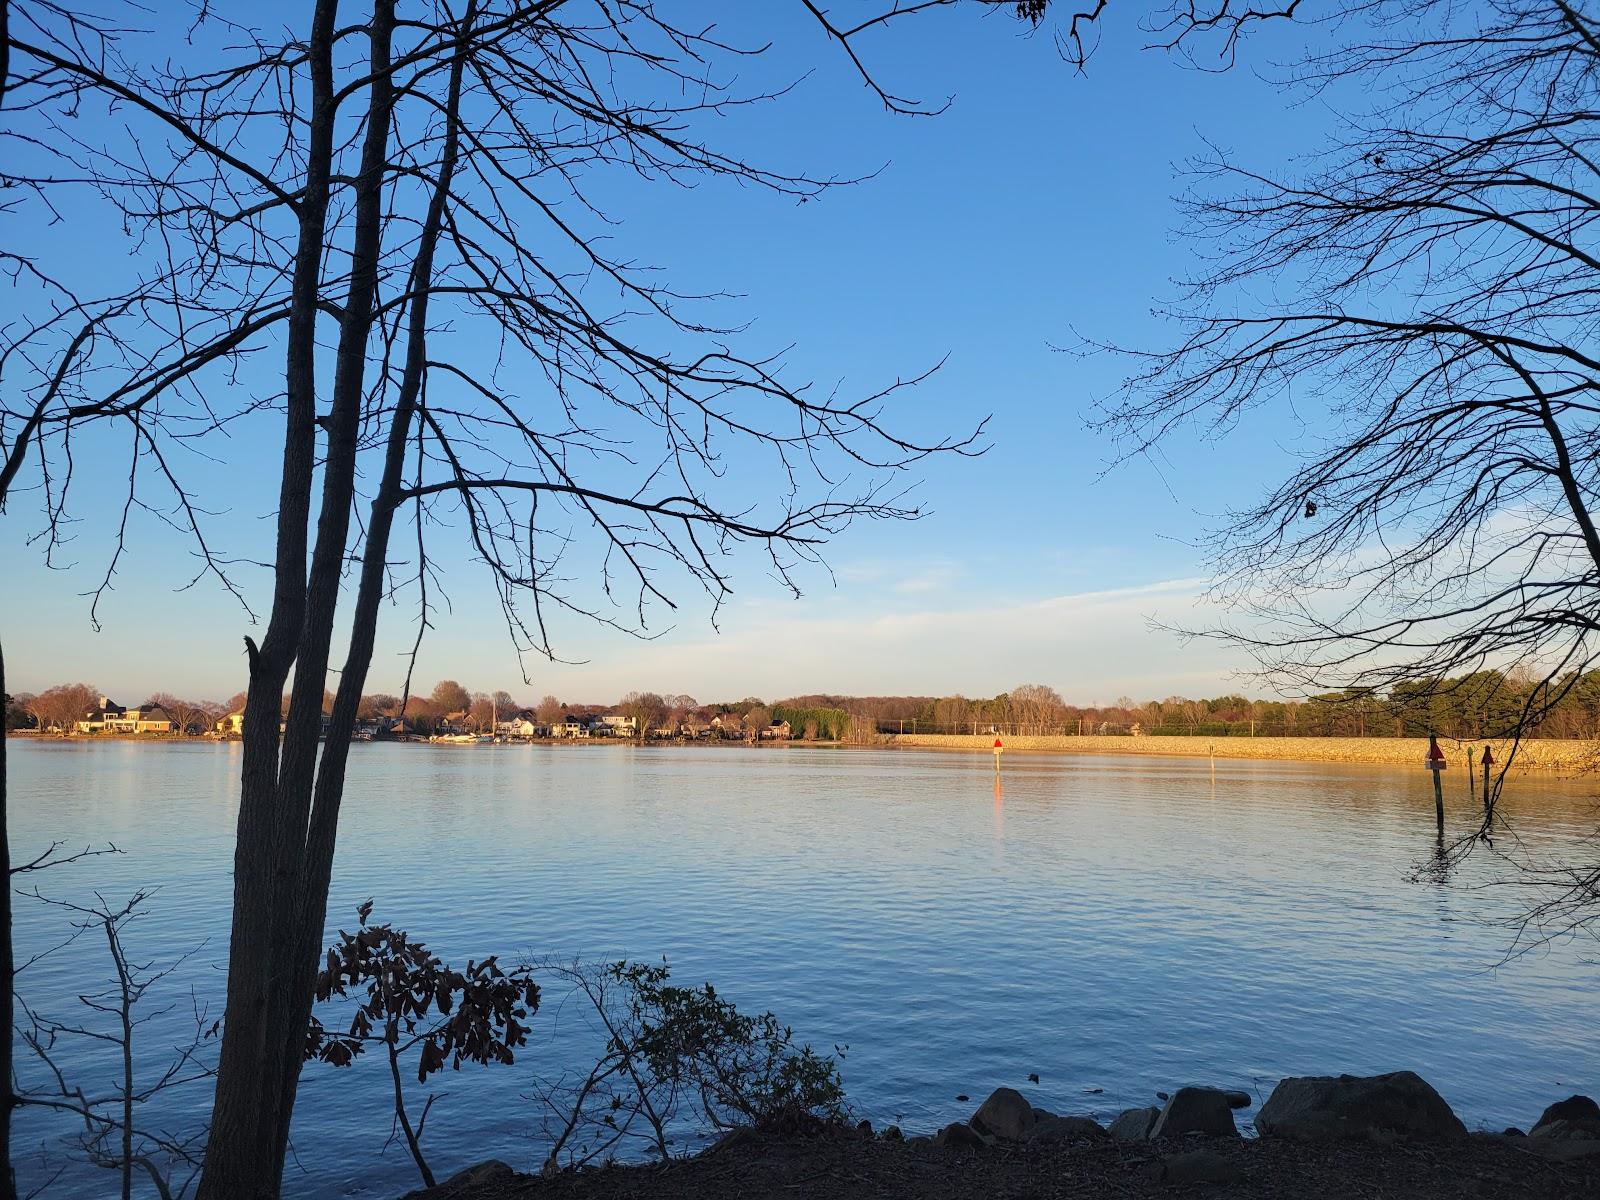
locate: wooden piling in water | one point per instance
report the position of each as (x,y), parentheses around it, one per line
(1436,763)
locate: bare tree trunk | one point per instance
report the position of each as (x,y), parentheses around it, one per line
(301,908)
(8,1178)
(245,1118)
(321,838)
(125,1012)
(405,1119)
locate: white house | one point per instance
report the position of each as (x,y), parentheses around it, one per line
(520,726)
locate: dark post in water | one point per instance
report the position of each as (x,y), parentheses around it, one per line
(1488,761)
(1436,764)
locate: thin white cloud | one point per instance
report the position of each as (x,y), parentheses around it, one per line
(1093,645)
(932,578)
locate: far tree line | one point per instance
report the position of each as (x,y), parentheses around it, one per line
(1481,704)
(1477,705)
(450,706)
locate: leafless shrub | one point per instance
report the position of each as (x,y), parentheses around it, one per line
(113,1134)
(673,1056)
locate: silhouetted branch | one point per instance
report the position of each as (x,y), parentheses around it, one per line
(1436,269)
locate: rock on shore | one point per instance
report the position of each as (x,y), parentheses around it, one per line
(1374,1108)
(1195,1110)
(845,1166)
(1006,1114)
(1575,1114)
(1134,1124)
(1325,1136)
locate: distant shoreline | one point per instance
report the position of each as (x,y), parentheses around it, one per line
(1570,756)
(1546,754)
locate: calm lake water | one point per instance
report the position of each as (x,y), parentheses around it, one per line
(1115,925)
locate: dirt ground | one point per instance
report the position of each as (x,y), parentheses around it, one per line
(849,1168)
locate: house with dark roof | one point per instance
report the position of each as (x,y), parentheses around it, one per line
(110,717)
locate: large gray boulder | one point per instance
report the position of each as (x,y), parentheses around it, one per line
(1006,1115)
(1376,1107)
(1134,1124)
(1196,1110)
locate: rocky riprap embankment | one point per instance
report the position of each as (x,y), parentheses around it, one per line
(1327,1136)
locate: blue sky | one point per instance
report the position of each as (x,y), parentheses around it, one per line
(1039,204)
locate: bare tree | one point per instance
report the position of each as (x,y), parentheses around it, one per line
(185,714)
(63,706)
(1440,268)
(757,719)
(463,214)
(378,704)
(1035,706)
(448,696)
(480,714)
(665,1048)
(549,711)
(114,1135)
(647,709)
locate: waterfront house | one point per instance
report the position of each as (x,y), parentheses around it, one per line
(570,727)
(232,725)
(614,725)
(110,717)
(778,731)
(324,721)
(727,725)
(521,725)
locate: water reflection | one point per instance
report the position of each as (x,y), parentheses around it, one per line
(1139,922)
